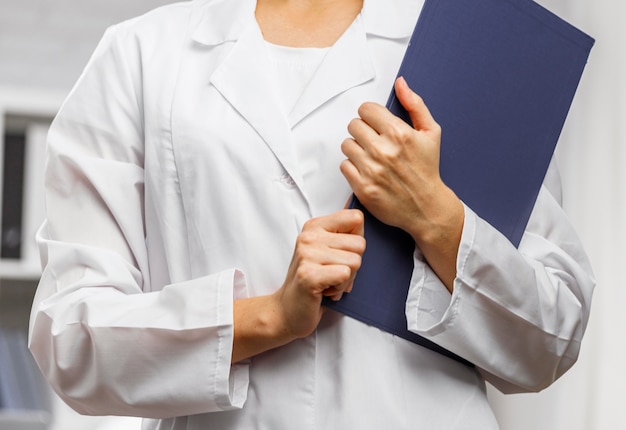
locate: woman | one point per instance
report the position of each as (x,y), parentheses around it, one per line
(194,187)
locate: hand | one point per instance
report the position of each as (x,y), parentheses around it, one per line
(393,169)
(326,258)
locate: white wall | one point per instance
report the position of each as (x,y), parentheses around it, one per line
(46,43)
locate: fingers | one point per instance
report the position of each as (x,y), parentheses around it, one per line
(325,261)
(332,250)
(415,106)
(333,240)
(328,251)
(375,119)
(371,123)
(326,280)
(348,221)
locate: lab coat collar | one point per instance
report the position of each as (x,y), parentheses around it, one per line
(388,18)
(246,81)
(209,31)
(383,18)
(346,65)
(244,78)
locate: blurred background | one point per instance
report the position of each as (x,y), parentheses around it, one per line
(44,45)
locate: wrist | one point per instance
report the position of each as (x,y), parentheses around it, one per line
(258,326)
(441,222)
(438,236)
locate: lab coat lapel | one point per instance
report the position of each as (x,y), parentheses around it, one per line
(244,79)
(347,64)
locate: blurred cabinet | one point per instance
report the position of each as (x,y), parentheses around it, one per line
(24,121)
(25,117)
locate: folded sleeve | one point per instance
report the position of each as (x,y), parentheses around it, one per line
(108,341)
(518,314)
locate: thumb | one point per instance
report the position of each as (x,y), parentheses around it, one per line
(415,106)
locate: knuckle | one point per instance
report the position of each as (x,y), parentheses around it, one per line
(344,273)
(378,171)
(305,253)
(365,108)
(344,166)
(371,195)
(309,224)
(304,274)
(302,240)
(309,227)
(358,216)
(354,263)
(368,191)
(360,246)
(346,145)
(400,132)
(353,123)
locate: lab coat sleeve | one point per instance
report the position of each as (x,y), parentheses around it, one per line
(518,314)
(107,343)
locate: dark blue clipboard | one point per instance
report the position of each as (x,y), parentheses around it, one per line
(499,76)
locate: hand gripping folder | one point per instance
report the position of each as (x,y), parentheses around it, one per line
(499,77)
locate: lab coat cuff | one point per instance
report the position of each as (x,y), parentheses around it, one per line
(430,307)
(231,380)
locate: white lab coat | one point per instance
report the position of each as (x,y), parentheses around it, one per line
(173,187)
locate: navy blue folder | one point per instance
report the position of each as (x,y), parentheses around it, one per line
(499,77)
